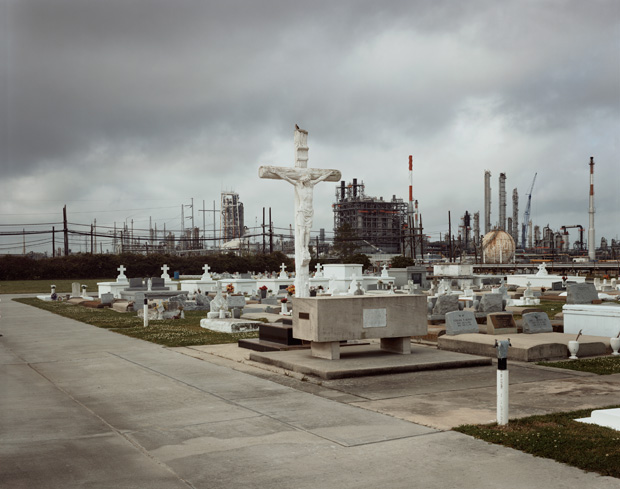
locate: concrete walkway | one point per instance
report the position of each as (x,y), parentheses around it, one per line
(84,407)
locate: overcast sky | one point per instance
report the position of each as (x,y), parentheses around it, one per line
(127,109)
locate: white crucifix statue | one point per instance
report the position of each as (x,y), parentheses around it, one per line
(121,276)
(206,275)
(319,270)
(303,180)
(165,275)
(282,271)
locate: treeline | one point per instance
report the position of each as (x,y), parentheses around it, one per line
(81,266)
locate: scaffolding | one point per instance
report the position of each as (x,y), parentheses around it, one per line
(377,224)
(231,216)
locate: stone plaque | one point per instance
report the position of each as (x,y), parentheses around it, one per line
(501,323)
(107,298)
(536,322)
(233,301)
(461,322)
(583,293)
(375,318)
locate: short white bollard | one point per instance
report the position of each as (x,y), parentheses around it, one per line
(146,312)
(502,381)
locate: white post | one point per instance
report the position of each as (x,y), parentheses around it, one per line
(502,397)
(146,312)
(502,381)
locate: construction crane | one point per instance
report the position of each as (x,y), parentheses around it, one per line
(526,215)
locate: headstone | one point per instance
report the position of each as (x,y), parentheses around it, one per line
(597,283)
(583,293)
(138,301)
(158,283)
(202,300)
(557,285)
(461,322)
(75,289)
(107,298)
(359,290)
(206,276)
(165,269)
(446,304)
(235,301)
(536,322)
(135,283)
(491,303)
(283,273)
(501,323)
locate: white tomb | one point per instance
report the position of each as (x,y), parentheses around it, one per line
(592,319)
(114,288)
(204,284)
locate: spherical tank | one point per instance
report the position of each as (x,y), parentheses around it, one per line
(498,247)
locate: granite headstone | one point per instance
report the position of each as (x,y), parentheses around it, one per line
(536,322)
(461,322)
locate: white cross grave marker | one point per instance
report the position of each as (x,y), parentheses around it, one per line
(282,271)
(319,270)
(303,180)
(206,275)
(121,276)
(165,269)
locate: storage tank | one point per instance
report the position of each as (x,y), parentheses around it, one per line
(498,247)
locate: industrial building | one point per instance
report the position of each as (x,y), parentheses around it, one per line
(231,217)
(377,224)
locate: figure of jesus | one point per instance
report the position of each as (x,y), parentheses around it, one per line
(304,187)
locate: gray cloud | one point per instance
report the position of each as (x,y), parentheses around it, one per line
(190,97)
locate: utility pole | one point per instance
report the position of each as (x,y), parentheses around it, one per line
(263,230)
(53,242)
(270,233)
(450,234)
(91,239)
(65,230)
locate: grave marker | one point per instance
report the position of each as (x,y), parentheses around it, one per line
(536,322)
(461,322)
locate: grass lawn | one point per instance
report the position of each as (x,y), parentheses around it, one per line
(171,332)
(41,287)
(557,436)
(606,365)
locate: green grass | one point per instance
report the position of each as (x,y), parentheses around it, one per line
(601,365)
(42,287)
(558,437)
(170,332)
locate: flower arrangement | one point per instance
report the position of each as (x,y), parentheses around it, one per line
(263,287)
(230,288)
(290,289)
(284,300)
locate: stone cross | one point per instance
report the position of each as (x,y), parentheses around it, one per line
(165,269)
(121,276)
(319,270)
(206,269)
(303,180)
(282,272)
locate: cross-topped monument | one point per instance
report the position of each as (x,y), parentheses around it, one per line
(206,275)
(121,276)
(303,180)
(165,269)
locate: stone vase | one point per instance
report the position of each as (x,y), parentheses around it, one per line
(615,345)
(284,307)
(573,348)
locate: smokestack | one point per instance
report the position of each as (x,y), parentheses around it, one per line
(502,201)
(342,189)
(515,215)
(591,244)
(477,227)
(355,187)
(487,201)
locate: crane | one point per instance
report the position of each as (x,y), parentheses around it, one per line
(526,215)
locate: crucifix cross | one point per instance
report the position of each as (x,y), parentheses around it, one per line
(303,180)
(206,269)
(165,269)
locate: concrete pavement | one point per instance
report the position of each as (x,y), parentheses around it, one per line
(85,407)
